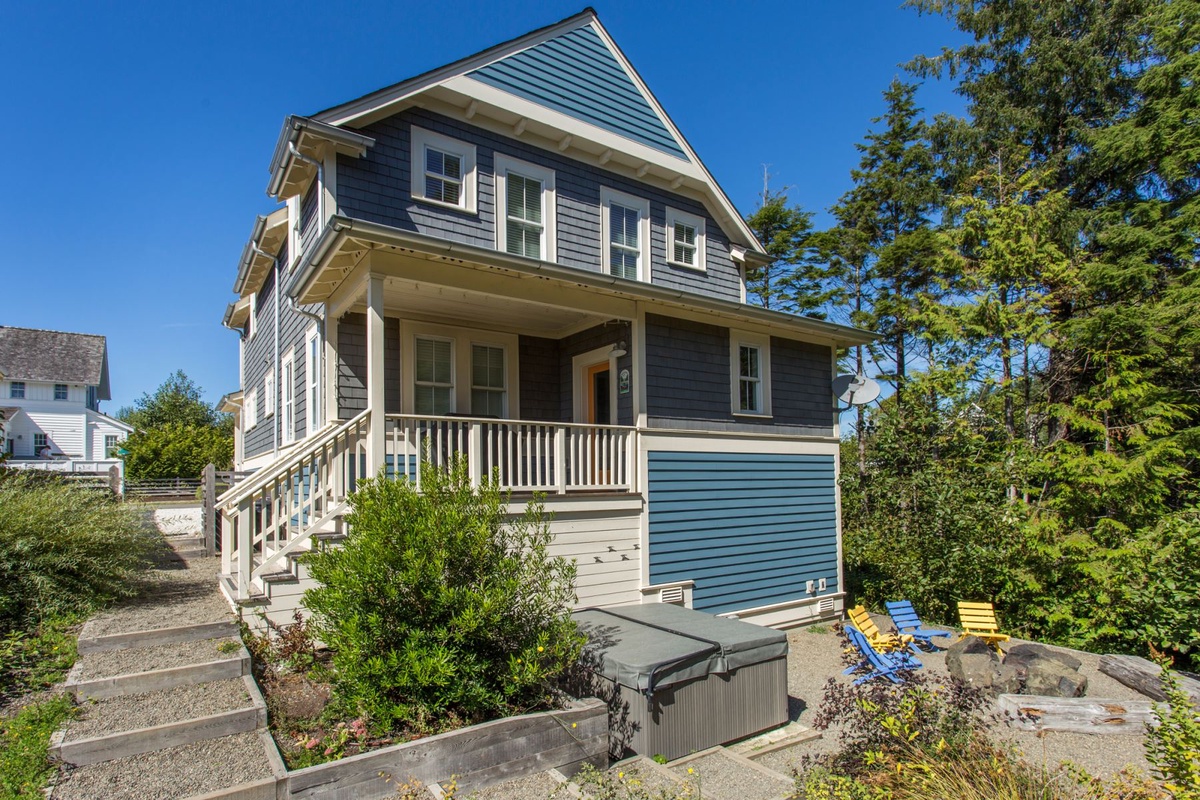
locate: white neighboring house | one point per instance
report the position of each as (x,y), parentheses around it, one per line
(51,385)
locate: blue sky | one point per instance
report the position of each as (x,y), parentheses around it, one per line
(137,135)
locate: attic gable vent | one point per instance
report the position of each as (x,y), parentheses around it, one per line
(672,595)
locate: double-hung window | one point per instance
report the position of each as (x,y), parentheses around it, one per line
(750,378)
(625,226)
(488,389)
(433,392)
(250,413)
(685,239)
(16,390)
(110,446)
(40,442)
(287,380)
(525,200)
(443,170)
(312,380)
(60,391)
(269,402)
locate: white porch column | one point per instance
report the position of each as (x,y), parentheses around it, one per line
(329,389)
(375,373)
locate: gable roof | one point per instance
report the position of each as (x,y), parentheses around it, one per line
(29,354)
(573,78)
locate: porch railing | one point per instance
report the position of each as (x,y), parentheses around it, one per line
(525,456)
(277,510)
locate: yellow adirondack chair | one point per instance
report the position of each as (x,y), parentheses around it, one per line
(979,619)
(883,642)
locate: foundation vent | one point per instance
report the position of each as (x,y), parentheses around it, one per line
(825,607)
(672,595)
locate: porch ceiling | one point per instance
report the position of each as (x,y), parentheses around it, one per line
(428,302)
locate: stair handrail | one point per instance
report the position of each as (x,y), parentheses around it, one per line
(263,477)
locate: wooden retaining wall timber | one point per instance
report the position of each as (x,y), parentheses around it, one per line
(479,756)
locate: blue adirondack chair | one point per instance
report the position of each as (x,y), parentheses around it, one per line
(882,665)
(905,618)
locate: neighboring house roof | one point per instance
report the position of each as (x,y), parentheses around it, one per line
(116,423)
(29,354)
(568,82)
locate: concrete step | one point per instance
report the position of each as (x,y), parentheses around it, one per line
(228,766)
(128,725)
(782,738)
(720,774)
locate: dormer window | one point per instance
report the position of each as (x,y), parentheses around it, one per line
(525,209)
(626,231)
(443,170)
(685,240)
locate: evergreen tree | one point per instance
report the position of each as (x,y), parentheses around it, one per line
(794,281)
(889,210)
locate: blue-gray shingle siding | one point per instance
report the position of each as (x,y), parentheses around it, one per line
(578,75)
(749,528)
(352,365)
(688,381)
(377,188)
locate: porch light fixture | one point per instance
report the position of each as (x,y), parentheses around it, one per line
(618,349)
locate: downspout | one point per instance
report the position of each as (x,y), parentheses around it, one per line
(278,422)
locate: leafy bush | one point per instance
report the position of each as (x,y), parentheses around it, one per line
(176,450)
(1173,747)
(36,659)
(439,609)
(24,745)
(64,549)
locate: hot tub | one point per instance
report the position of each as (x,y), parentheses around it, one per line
(679,680)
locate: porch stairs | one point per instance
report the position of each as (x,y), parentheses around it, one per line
(166,703)
(283,512)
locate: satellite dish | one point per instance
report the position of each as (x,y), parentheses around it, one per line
(854,390)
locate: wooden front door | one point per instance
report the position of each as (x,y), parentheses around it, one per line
(596,394)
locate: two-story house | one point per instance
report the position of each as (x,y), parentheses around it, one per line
(518,258)
(50,396)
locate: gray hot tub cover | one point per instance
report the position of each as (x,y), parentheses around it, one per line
(656,644)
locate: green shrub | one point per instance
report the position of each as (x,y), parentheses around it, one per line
(440,609)
(64,549)
(24,744)
(37,659)
(1173,747)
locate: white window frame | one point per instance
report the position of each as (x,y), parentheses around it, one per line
(287,416)
(763,343)
(45,443)
(642,206)
(312,380)
(505,164)
(250,416)
(12,390)
(422,139)
(108,448)
(471,377)
(66,392)
(675,215)
(270,398)
(454,381)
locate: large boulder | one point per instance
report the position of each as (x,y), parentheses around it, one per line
(1051,678)
(1045,672)
(1021,655)
(971,661)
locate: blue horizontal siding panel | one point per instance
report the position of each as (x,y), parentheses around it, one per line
(576,74)
(749,528)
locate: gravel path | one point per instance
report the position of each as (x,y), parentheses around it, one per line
(163,656)
(816,656)
(645,780)
(722,777)
(539,786)
(169,774)
(134,711)
(183,595)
